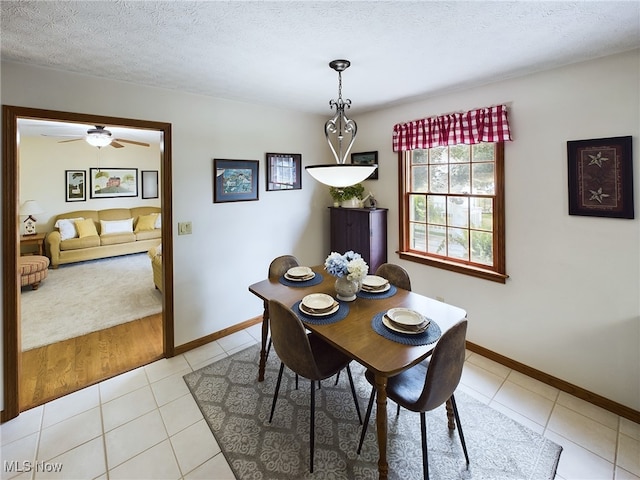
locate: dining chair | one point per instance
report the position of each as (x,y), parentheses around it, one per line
(308,356)
(428,385)
(396,275)
(277,268)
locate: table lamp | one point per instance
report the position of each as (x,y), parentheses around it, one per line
(28,209)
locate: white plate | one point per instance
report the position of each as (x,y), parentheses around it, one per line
(324,314)
(300,279)
(377,290)
(374,281)
(299,272)
(405,316)
(388,324)
(318,301)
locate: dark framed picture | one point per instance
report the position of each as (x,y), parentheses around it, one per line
(114,182)
(149,183)
(75,185)
(235,180)
(283,171)
(366,158)
(601,177)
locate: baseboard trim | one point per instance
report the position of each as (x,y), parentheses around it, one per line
(579,392)
(198,342)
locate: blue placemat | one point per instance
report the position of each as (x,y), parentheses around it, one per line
(389,293)
(341,314)
(307,283)
(430,335)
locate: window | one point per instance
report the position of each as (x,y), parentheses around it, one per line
(452,208)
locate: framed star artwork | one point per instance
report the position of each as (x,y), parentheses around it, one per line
(601,177)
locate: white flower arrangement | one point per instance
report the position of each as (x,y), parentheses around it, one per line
(349,264)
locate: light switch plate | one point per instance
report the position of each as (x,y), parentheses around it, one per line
(184,228)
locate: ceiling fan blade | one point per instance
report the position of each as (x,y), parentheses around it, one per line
(142,144)
(116,144)
(67,141)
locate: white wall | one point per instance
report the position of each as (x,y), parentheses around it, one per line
(571,305)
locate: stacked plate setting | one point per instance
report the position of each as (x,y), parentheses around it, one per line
(375,284)
(404,320)
(299,274)
(319,305)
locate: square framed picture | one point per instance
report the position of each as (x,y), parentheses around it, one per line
(235,180)
(149,182)
(600,173)
(75,185)
(366,158)
(283,171)
(114,182)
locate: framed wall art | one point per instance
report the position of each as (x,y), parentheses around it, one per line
(114,182)
(149,183)
(601,177)
(75,185)
(283,171)
(366,158)
(235,180)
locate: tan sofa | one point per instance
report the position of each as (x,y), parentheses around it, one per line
(108,239)
(155,254)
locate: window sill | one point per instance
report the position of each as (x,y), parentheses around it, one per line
(456,267)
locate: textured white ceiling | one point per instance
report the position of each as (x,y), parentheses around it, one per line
(278,52)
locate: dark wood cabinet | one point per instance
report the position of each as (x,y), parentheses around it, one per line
(362,230)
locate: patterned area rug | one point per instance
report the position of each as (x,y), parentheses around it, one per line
(236,407)
(85,297)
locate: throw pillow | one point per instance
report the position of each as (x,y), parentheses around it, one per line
(146,222)
(158,223)
(86,228)
(116,226)
(67,228)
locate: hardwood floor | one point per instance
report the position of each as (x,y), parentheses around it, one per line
(55,370)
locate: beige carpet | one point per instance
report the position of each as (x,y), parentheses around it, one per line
(84,297)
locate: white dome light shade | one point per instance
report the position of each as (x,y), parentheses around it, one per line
(98,139)
(340,175)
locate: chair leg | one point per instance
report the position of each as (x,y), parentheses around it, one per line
(312,423)
(425,456)
(337,377)
(455,412)
(275,396)
(353,392)
(367,416)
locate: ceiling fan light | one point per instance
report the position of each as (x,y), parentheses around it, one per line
(340,175)
(96,139)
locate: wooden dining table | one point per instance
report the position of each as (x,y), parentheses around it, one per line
(355,336)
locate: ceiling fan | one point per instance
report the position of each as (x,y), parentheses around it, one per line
(101,137)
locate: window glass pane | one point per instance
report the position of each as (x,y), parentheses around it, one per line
(460,178)
(482,213)
(420,178)
(437,240)
(482,247)
(417,212)
(458,243)
(484,182)
(437,209)
(439,179)
(483,152)
(438,155)
(418,236)
(419,156)
(459,153)
(458,211)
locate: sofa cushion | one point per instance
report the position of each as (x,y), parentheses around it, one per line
(67,227)
(149,234)
(116,226)
(146,222)
(86,228)
(115,238)
(78,243)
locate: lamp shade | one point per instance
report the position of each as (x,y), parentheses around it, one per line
(98,139)
(340,175)
(30,207)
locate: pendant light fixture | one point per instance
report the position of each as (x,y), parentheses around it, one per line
(340,132)
(98,137)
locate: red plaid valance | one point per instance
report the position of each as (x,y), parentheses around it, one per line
(475,126)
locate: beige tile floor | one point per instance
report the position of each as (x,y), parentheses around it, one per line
(145,425)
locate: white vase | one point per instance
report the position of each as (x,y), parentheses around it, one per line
(346,289)
(351,203)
